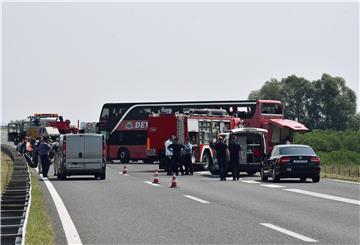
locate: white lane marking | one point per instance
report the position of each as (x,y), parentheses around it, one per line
(289,233)
(344,181)
(203,173)
(72,236)
(330,197)
(123,174)
(250,181)
(196,199)
(272,186)
(150,183)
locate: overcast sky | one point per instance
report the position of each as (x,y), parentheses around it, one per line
(71,58)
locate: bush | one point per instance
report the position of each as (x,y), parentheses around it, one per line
(333,147)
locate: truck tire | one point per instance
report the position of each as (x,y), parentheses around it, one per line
(211,166)
(251,173)
(124,155)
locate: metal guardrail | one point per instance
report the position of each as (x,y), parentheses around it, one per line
(15,200)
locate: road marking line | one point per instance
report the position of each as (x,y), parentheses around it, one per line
(250,181)
(150,183)
(345,181)
(289,233)
(272,186)
(72,236)
(196,199)
(202,172)
(330,197)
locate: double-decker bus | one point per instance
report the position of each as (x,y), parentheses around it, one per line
(124,125)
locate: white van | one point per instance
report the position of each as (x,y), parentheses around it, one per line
(252,142)
(81,154)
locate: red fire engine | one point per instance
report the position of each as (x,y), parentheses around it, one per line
(201,126)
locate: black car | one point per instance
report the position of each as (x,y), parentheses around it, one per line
(291,161)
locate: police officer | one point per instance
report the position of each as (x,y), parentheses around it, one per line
(168,154)
(176,148)
(221,152)
(187,155)
(236,153)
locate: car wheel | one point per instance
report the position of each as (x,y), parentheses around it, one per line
(124,155)
(250,173)
(316,178)
(102,176)
(302,180)
(275,178)
(62,176)
(262,174)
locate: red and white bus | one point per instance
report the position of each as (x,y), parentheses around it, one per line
(124,125)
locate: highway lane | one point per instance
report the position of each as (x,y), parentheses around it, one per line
(125,209)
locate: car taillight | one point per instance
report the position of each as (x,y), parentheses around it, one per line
(284,160)
(104,150)
(64,149)
(315,160)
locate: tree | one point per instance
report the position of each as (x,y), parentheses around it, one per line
(322,104)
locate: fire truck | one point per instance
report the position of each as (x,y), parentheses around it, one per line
(200,126)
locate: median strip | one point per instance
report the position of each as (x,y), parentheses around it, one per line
(289,233)
(196,199)
(325,196)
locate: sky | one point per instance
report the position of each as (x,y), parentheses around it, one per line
(71,58)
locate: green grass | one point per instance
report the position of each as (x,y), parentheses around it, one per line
(5,169)
(40,229)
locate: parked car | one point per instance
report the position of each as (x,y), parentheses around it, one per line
(81,154)
(291,161)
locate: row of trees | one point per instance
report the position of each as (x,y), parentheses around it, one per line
(326,103)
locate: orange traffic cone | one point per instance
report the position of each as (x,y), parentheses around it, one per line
(125,170)
(156,177)
(173,182)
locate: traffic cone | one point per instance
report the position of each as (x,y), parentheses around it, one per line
(125,170)
(156,177)
(173,182)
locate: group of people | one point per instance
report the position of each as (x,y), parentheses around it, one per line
(178,156)
(39,149)
(235,152)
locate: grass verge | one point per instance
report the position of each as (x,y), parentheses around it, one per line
(342,172)
(40,229)
(5,169)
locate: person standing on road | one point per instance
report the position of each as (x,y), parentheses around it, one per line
(221,150)
(21,147)
(55,148)
(187,155)
(176,148)
(236,154)
(168,154)
(44,149)
(35,154)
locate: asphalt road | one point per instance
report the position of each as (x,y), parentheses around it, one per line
(123,209)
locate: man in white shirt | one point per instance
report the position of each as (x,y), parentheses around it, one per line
(168,154)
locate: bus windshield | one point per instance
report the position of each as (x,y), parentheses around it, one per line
(271,108)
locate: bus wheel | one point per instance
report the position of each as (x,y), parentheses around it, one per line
(124,155)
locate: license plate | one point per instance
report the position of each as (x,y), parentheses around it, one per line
(300,161)
(288,169)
